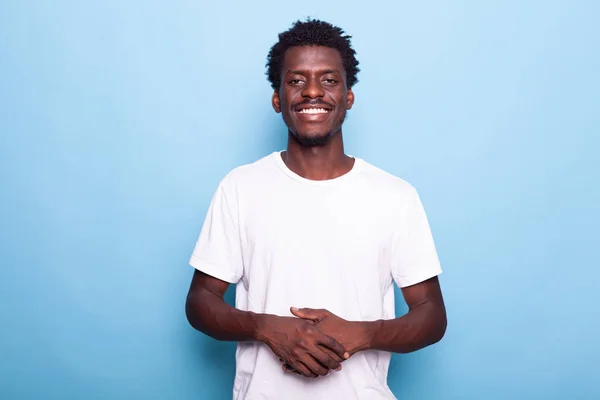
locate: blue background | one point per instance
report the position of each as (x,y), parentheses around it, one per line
(118,119)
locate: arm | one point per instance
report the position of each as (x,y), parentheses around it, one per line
(423,325)
(297,342)
(413,255)
(207,311)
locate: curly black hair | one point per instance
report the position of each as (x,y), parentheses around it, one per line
(312,33)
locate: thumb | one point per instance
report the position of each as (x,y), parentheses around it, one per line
(309,313)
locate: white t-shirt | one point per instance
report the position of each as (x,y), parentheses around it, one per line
(337,244)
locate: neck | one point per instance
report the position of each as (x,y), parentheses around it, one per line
(324,162)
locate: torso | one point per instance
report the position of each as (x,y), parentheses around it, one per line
(332,251)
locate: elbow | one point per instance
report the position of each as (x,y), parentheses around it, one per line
(436,323)
(192,313)
(441,325)
(188,311)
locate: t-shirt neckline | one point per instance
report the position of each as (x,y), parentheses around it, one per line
(276,156)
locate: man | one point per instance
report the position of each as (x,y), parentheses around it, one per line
(315,240)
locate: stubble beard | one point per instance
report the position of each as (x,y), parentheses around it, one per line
(311,140)
(305,140)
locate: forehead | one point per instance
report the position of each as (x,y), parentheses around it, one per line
(305,58)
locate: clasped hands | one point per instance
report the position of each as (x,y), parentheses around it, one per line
(314,343)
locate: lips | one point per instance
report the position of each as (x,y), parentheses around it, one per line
(313,114)
(312,106)
(313,111)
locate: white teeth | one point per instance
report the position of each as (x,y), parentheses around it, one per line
(313,111)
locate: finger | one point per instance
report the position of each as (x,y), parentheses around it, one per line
(287,369)
(325,359)
(334,345)
(314,366)
(331,353)
(334,356)
(291,371)
(308,313)
(303,369)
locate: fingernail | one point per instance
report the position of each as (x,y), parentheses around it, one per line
(294,309)
(346,355)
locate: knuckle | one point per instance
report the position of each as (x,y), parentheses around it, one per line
(326,358)
(292,366)
(303,344)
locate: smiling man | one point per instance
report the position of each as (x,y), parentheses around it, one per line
(315,240)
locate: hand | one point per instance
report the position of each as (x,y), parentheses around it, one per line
(300,345)
(349,334)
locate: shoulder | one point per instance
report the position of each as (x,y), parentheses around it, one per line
(394,196)
(246,175)
(386,183)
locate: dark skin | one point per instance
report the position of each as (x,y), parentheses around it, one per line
(314,342)
(314,77)
(297,342)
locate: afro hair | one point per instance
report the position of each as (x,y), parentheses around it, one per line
(312,33)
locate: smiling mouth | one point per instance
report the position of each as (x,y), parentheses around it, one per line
(313,111)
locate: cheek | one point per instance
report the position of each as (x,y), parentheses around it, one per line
(343,104)
(286,97)
(285,106)
(341,98)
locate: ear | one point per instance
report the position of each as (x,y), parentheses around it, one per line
(276,102)
(350,101)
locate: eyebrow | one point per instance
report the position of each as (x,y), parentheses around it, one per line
(299,72)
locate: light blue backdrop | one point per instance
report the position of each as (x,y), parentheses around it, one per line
(118,119)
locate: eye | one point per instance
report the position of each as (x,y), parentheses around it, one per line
(330,81)
(295,81)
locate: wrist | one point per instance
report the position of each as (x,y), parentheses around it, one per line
(261,323)
(362,336)
(365,333)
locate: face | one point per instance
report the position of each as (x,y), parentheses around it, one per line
(313,97)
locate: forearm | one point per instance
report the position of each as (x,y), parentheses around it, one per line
(422,326)
(210,314)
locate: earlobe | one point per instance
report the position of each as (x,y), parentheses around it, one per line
(276,102)
(350,101)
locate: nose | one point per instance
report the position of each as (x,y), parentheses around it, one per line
(313,89)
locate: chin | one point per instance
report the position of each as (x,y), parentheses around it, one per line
(311,139)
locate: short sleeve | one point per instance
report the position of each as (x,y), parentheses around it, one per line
(414,256)
(218,249)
